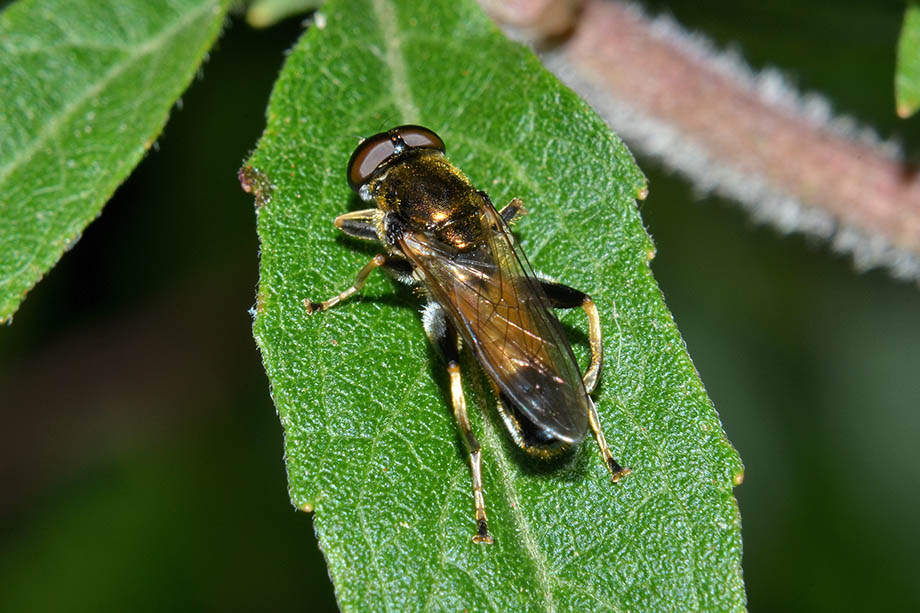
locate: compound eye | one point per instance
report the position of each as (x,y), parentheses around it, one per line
(367,157)
(418,136)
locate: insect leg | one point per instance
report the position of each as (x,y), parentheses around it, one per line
(459,402)
(512,210)
(616,471)
(444,336)
(564,297)
(360,224)
(377,261)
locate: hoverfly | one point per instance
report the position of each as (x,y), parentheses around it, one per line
(444,236)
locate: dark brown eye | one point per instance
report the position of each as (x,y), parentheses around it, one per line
(418,136)
(367,157)
(374,151)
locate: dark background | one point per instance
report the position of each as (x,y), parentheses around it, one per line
(141,462)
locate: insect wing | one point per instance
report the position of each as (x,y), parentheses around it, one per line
(500,309)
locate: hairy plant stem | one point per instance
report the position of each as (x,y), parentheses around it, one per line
(747,136)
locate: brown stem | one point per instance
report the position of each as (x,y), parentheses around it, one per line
(746,136)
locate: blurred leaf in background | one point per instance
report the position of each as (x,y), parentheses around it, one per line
(140,457)
(87,88)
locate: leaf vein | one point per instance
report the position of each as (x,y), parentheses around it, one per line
(55,122)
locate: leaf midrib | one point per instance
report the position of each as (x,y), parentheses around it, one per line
(396,61)
(404,102)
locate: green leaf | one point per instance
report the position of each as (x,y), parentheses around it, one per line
(907,75)
(265,13)
(370,440)
(87,87)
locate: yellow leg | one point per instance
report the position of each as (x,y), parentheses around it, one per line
(590,379)
(360,224)
(565,297)
(616,471)
(459,403)
(597,346)
(360,279)
(511,211)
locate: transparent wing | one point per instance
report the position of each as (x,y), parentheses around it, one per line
(498,305)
